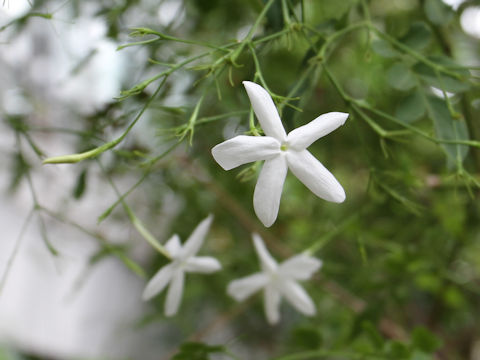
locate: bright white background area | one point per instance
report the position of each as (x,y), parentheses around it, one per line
(61,305)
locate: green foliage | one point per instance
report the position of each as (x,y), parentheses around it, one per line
(401,255)
(198,351)
(437,12)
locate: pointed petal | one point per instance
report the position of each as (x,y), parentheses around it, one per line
(174,295)
(299,267)
(315,176)
(265,110)
(195,241)
(268,191)
(158,282)
(268,263)
(241,289)
(298,297)
(173,246)
(303,136)
(202,264)
(245,149)
(272,304)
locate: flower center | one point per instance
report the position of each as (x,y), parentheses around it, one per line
(284,146)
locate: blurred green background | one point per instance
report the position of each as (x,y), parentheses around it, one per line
(401,274)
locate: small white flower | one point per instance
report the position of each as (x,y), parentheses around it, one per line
(281,152)
(183,260)
(277,281)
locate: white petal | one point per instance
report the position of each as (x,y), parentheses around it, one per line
(268,263)
(174,295)
(241,289)
(245,149)
(268,191)
(298,297)
(158,282)
(173,246)
(315,176)
(299,267)
(265,110)
(272,304)
(195,240)
(202,264)
(303,136)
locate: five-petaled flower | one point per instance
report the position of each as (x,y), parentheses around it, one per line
(183,260)
(277,281)
(281,152)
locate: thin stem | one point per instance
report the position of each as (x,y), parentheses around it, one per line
(16,247)
(365,105)
(145,175)
(286,15)
(161,36)
(325,354)
(258,70)
(322,241)
(252,30)
(74,158)
(103,242)
(142,230)
(416,55)
(271,36)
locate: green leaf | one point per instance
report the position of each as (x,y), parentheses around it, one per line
(80,185)
(453,297)
(447,128)
(411,108)
(428,281)
(306,337)
(400,77)
(448,63)
(384,49)
(424,340)
(397,350)
(319,11)
(420,355)
(418,37)
(373,334)
(437,12)
(20,167)
(440,81)
(197,351)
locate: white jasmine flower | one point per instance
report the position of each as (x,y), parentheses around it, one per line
(183,260)
(277,281)
(281,152)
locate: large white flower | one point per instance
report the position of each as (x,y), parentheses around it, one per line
(281,152)
(277,281)
(183,260)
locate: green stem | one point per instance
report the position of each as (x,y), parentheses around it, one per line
(416,55)
(328,354)
(364,105)
(161,36)
(252,30)
(286,16)
(13,255)
(258,69)
(321,242)
(74,158)
(142,230)
(47,16)
(131,264)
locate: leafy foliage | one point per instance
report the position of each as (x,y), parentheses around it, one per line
(401,255)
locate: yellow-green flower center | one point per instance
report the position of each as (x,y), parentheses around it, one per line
(284,146)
